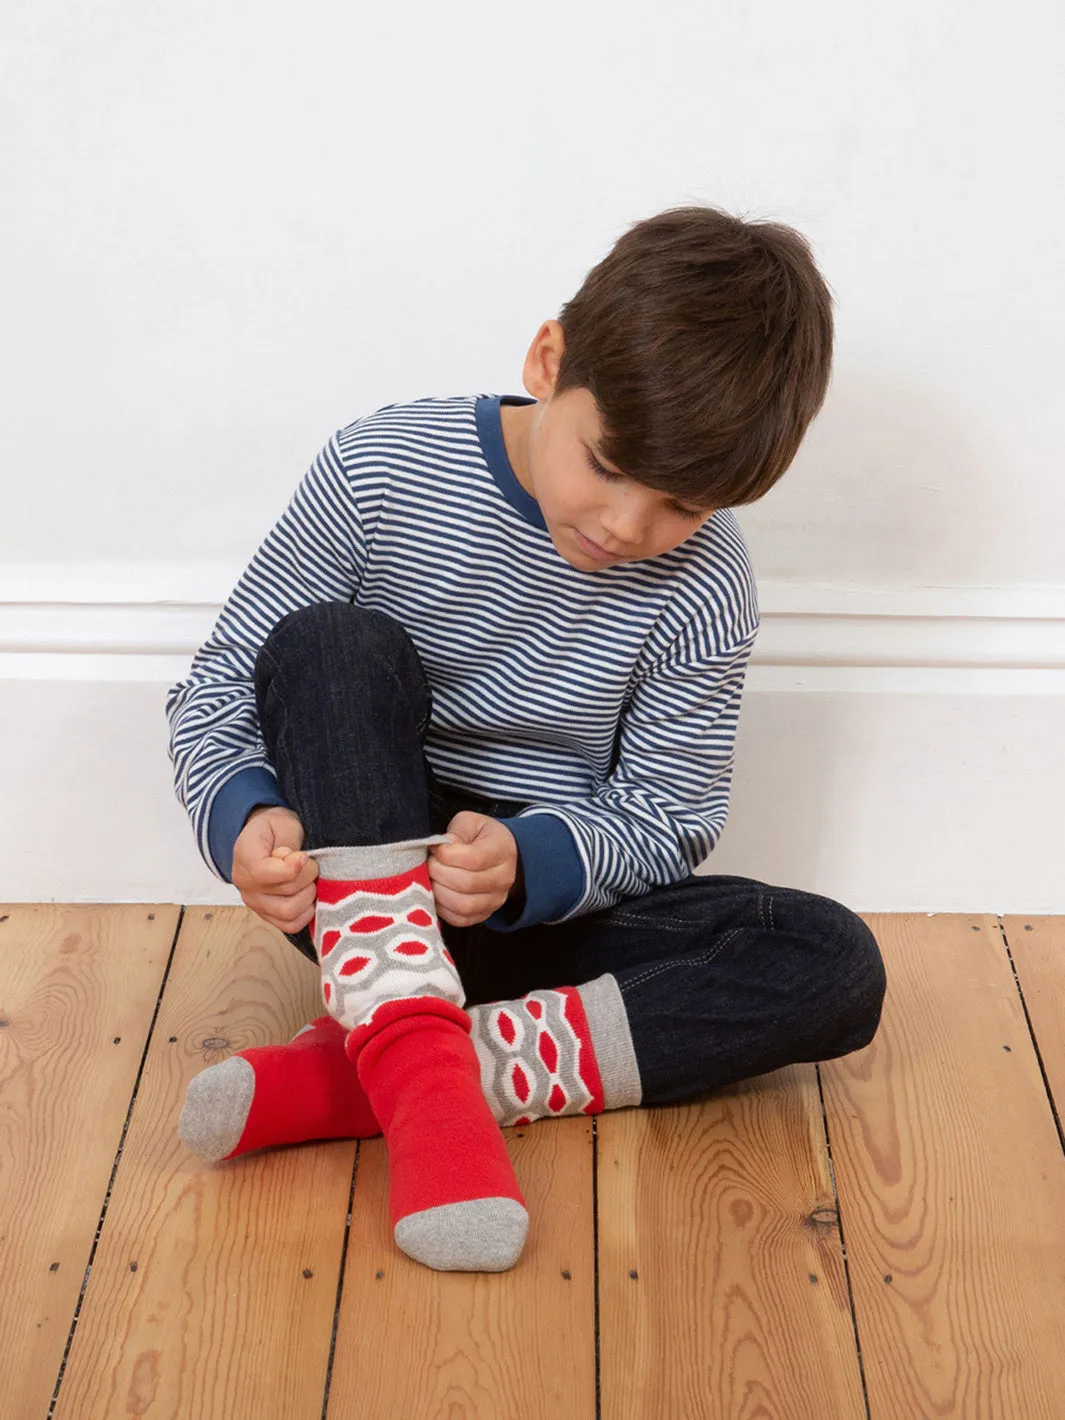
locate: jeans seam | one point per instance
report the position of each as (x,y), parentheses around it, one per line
(765,904)
(701,959)
(670,924)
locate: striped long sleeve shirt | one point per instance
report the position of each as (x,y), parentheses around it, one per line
(606,702)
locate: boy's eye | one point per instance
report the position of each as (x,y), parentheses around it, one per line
(692,514)
(598,468)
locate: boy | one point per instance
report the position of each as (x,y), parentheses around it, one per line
(464,731)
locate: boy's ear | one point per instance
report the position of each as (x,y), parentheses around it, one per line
(543,360)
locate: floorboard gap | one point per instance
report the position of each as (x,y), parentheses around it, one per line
(842,1243)
(595,1260)
(340,1283)
(1031,1033)
(114,1166)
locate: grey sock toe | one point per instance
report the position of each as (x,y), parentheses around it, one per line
(481,1235)
(216,1108)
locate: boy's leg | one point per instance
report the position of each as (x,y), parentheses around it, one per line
(714,979)
(344,706)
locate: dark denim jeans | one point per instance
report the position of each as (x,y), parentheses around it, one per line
(722,977)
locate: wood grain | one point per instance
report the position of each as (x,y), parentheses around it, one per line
(722,1287)
(218,1320)
(78,986)
(414,1342)
(951,1179)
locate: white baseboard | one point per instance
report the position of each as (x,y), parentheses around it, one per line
(899,749)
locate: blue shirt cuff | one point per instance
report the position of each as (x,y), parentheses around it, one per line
(230,809)
(554,874)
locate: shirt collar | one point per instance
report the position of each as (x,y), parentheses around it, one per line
(490,433)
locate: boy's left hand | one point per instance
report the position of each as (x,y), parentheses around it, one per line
(473,877)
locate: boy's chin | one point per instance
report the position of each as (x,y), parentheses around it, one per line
(576,558)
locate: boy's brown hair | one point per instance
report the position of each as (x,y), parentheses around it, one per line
(706,342)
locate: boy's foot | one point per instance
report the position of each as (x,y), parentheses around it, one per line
(538,1057)
(453,1197)
(277,1094)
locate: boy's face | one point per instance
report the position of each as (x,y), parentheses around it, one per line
(553,447)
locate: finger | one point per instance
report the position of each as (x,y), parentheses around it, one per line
(272,872)
(287,914)
(468,831)
(477,906)
(473,856)
(494,879)
(305,875)
(467,824)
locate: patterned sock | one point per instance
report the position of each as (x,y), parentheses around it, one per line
(454,1201)
(551,1053)
(566,1050)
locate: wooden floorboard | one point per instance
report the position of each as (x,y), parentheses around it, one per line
(213,1289)
(951,1178)
(1036,946)
(942,1150)
(520,1343)
(78,986)
(722,1286)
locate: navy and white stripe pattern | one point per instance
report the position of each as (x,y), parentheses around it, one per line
(606,699)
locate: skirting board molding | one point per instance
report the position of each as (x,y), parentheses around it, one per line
(56,616)
(899,748)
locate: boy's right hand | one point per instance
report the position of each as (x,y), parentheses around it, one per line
(273,877)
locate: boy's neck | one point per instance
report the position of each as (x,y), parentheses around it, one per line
(515,419)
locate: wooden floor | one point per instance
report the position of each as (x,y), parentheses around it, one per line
(880,1236)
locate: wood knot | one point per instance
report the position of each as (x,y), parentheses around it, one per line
(822,1219)
(215,1042)
(742,1212)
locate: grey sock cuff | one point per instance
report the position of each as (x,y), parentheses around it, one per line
(374,860)
(608,1023)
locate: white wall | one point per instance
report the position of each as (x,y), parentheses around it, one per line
(232,228)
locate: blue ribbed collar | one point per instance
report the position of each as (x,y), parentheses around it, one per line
(490,433)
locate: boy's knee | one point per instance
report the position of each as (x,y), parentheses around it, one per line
(861,981)
(854,980)
(339,629)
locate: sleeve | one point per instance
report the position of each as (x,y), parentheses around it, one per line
(663,808)
(315,552)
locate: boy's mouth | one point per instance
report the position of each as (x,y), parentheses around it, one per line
(592,549)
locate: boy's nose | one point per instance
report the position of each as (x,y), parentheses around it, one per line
(623,528)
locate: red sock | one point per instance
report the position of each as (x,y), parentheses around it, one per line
(537,1055)
(277,1094)
(454,1200)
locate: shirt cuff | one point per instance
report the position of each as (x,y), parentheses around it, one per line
(554,874)
(229,812)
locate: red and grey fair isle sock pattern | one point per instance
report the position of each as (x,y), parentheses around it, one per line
(537,1060)
(387,977)
(554,1052)
(375,929)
